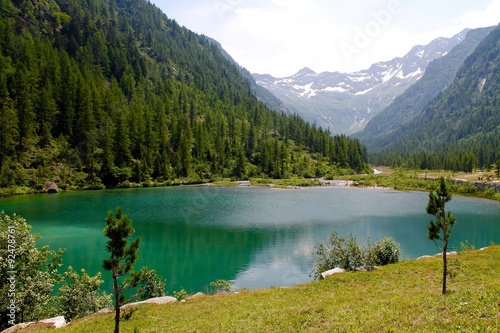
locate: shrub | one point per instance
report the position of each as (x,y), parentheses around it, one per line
(221,286)
(80,294)
(338,252)
(150,285)
(348,255)
(180,295)
(385,251)
(28,272)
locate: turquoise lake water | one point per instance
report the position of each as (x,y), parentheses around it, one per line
(255,237)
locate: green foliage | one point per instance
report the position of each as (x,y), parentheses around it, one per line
(150,285)
(348,255)
(79,294)
(122,258)
(116,94)
(180,295)
(28,274)
(385,251)
(465,246)
(221,286)
(440,229)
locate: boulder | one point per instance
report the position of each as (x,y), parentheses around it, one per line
(197,295)
(17,327)
(156,300)
(56,322)
(336,270)
(51,187)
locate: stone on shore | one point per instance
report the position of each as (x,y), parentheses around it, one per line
(56,322)
(51,187)
(156,300)
(336,270)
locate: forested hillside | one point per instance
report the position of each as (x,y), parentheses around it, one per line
(460,128)
(105,93)
(386,126)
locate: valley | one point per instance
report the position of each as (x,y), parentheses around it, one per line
(236,180)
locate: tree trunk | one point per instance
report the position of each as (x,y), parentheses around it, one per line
(445,265)
(117,304)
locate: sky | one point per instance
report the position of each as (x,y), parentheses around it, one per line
(280,37)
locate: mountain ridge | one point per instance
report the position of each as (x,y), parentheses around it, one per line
(383,128)
(345,102)
(460,128)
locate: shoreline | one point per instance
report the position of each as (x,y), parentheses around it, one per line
(379,181)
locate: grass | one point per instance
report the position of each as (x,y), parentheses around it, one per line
(420,181)
(403,297)
(285,183)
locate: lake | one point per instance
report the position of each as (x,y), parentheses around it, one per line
(255,237)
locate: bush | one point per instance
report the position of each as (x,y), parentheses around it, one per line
(180,295)
(32,272)
(385,251)
(150,285)
(221,286)
(348,255)
(80,294)
(338,252)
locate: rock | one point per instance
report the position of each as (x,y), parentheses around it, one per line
(452,253)
(56,322)
(483,248)
(17,327)
(156,300)
(197,295)
(51,187)
(336,270)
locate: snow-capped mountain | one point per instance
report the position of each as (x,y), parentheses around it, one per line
(345,102)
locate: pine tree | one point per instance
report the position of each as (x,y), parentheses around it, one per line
(440,229)
(122,257)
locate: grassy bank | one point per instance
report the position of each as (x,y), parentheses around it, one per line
(410,180)
(403,297)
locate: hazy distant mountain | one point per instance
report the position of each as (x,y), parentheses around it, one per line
(382,130)
(345,102)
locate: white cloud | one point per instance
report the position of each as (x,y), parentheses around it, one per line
(280,37)
(481,18)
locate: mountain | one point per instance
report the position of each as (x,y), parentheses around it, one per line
(345,102)
(113,93)
(382,130)
(460,128)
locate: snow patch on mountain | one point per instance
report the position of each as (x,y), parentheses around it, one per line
(345,102)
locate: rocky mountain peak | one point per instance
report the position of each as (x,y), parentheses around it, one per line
(345,102)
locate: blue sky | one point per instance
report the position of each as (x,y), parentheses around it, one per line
(279,37)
